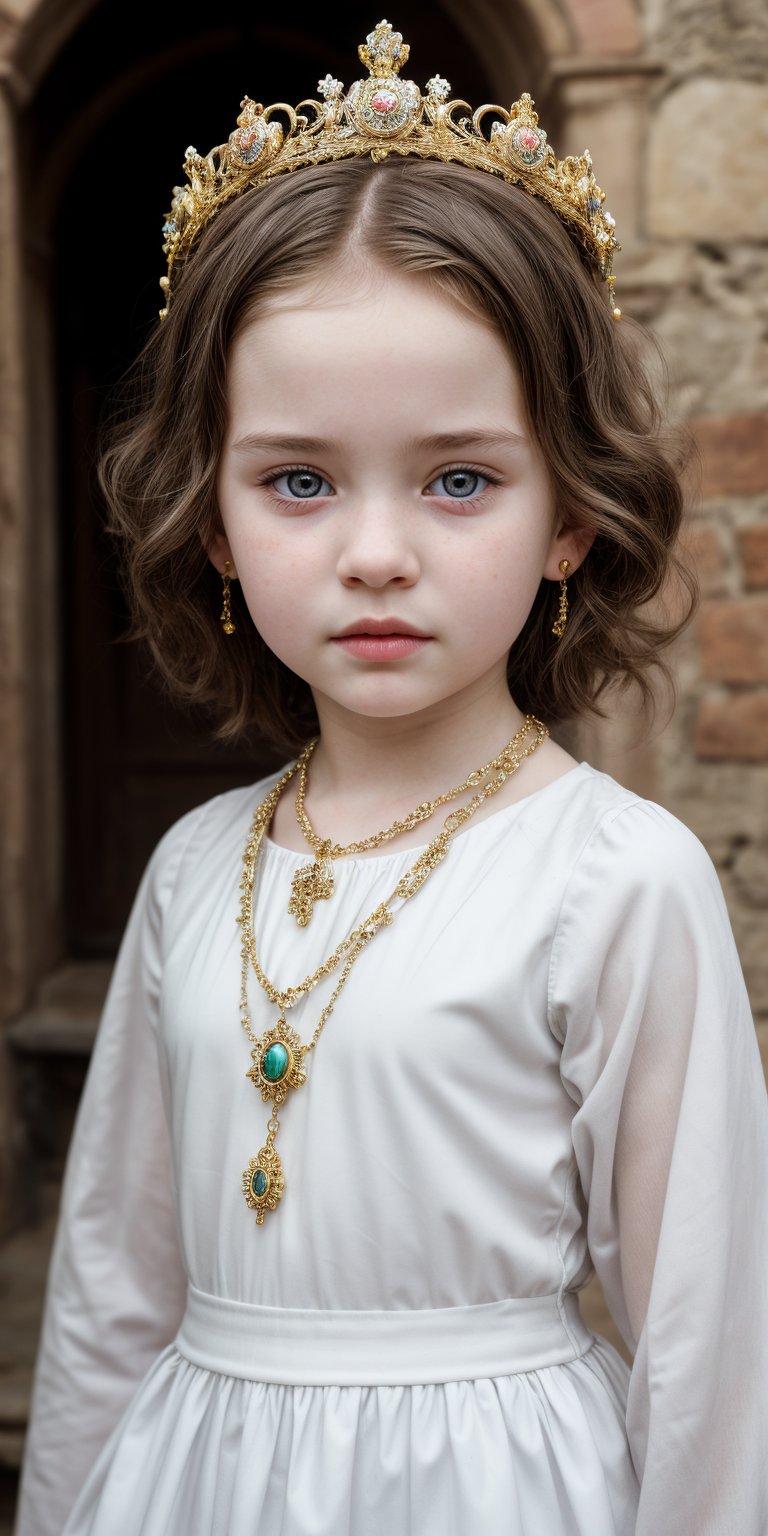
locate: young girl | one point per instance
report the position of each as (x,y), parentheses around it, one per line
(408,1038)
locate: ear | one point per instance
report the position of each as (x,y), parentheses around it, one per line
(218,550)
(571,544)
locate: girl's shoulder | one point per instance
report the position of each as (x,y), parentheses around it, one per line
(636,838)
(623,859)
(220,821)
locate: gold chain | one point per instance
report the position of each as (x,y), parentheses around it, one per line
(278,1053)
(315,882)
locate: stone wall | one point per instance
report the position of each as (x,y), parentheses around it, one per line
(706,212)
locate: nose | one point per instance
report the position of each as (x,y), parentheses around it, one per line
(378,545)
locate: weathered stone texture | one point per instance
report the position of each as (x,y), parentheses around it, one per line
(699,189)
(734,454)
(712,321)
(723,802)
(754,555)
(750,873)
(707,37)
(702,544)
(733,727)
(733,640)
(606,28)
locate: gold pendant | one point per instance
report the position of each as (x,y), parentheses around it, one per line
(277,1062)
(311,883)
(277,1066)
(263,1181)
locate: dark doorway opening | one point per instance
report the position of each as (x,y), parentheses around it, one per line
(106,136)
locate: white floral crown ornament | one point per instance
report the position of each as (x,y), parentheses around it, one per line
(380,116)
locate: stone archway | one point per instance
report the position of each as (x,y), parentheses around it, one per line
(579,59)
(581,62)
(56,103)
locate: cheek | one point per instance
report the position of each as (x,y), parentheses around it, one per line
(268,564)
(277,579)
(493,588)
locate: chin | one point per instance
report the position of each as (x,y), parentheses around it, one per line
(389,704)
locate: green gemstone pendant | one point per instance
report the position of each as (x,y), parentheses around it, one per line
(277,1057)
(263,1182)
(275,1062)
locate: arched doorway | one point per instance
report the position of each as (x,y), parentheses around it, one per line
(98,105)
(132,762)
(110,98)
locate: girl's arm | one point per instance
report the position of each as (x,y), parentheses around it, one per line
(671,1142)
(116,1282)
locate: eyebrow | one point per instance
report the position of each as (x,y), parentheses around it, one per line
(474,437)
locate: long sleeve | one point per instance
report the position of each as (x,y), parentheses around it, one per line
(670,1136)
(116,1283)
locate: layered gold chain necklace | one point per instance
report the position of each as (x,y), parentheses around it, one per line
(315,882)
(278,1054)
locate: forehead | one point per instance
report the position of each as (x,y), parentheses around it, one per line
(370,344)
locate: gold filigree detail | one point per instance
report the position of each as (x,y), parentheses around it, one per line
(263,1182)
(289,1044)
(311,883)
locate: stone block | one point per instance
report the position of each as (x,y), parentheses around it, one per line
(734,453)
(754,555)
(733,729)
(606,27)
(733,640)
(749,875)
(702,545)
(721,800)
(700,185)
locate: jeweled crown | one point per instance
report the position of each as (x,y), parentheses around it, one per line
(380,116)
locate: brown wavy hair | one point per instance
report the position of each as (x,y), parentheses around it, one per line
(586,386)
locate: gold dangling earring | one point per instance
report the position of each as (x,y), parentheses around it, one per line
(226,612)
(558,628)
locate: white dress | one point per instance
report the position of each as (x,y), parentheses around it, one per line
(547,1063)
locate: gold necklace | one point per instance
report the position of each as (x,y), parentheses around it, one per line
(315,882)
(278,1054)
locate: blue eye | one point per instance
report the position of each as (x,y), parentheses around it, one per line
(303,484)
(462,484)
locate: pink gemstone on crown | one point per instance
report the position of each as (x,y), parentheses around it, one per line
(528,139)
(385,101)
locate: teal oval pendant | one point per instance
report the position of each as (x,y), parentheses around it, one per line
(275,1062)
(263,1182)
(259,1183)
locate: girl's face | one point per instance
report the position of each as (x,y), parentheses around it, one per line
(379,471)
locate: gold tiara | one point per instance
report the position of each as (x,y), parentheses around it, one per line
(380,116)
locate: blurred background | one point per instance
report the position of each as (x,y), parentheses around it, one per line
(98,102)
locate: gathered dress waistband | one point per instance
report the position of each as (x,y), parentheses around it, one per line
(300,1346)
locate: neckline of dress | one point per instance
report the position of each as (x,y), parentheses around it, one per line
(377,858)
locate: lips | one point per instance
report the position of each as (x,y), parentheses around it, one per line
(381,640)
(381,627)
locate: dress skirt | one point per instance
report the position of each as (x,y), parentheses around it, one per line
(505,1418)
(546,1067)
